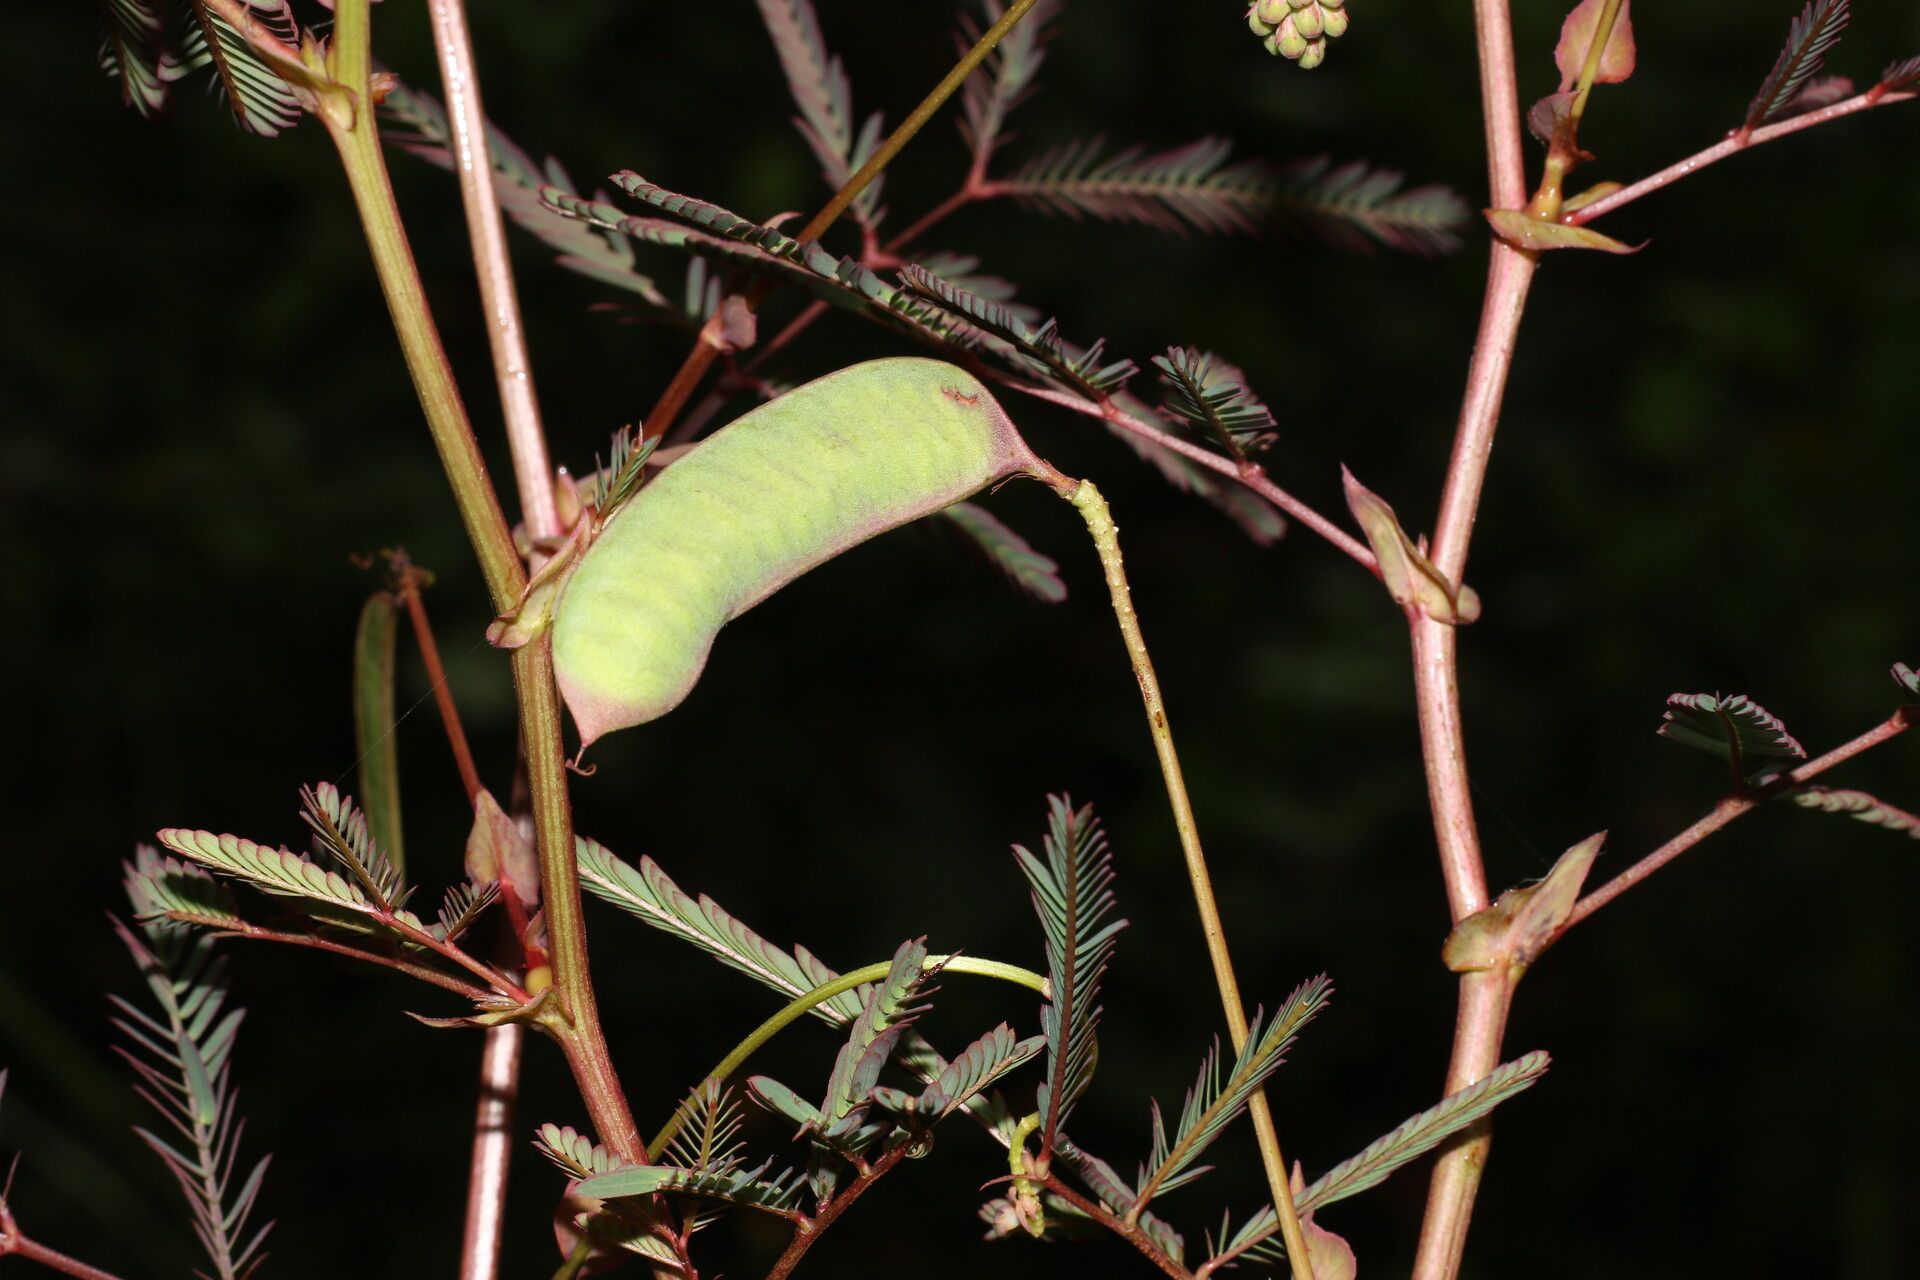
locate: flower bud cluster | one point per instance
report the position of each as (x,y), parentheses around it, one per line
(1298,30)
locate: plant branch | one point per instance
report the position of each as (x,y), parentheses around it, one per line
(810,1230)
(1732,144)
(16,1242)
(704,352)
(1093,509)
(356,136)
(512,368)
(1484,998)
(490,1158)
(411,579)
(1732,807)
(446,981)
(1127,1231)
(1250,474)
(800,1006)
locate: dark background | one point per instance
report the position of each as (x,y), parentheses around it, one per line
(1704,481)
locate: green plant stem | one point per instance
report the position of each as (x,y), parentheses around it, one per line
(1106,540)
(577,1028)
(1563,150)
(576,1258)
(704,352)
(800,1006)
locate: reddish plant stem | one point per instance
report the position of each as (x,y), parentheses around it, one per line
(490,1159)
(409,592)
(969,191)
(513,369)
(16,1242)
(1730,808)
(1732,144)
(1127,1231)
(1484,998)
(810,1230)
(1250,475)
(256,933)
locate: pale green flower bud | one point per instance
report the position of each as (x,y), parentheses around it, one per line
(1286,40)
(1307,21)
(1334,21)
(1314,55)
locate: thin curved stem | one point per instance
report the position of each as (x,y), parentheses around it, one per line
(445,981)
(1106,540)
(800,1006)
(506,338)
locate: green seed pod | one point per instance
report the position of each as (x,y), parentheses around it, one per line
(775,493)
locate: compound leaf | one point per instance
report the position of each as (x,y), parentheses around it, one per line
(1072,881)
(1858,805)
(262,102)
(1036,574)
(1737,729)
(1811,37)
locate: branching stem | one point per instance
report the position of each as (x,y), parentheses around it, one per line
(1732,807)
(356,136)
(1732,144)
(800,1006)
(16,1242)
(1106,540)
(1128,1231)
(809,1232)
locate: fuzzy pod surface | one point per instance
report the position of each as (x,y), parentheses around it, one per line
(764,499)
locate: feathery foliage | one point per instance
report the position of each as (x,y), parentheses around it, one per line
(649,894)
(1036,574)
(1006,79)
(1858,805)
(1419,1134)
(1353,206)
(276,871)
(135,52)
(584,248)
(181,1049)
(1258,1236)
(1212,395)
(262,102)
(1113,1191)
(873,1036)
(785,1102)
(707,1134)
(974,1070)
(574,1152)
(1073,894)
(165,888)
(461,907)
(818,82)
(1037,351)
(747,1188)
(1737,729)
(1901,77)
(340,831)
(1213,1104)
(1809,40)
